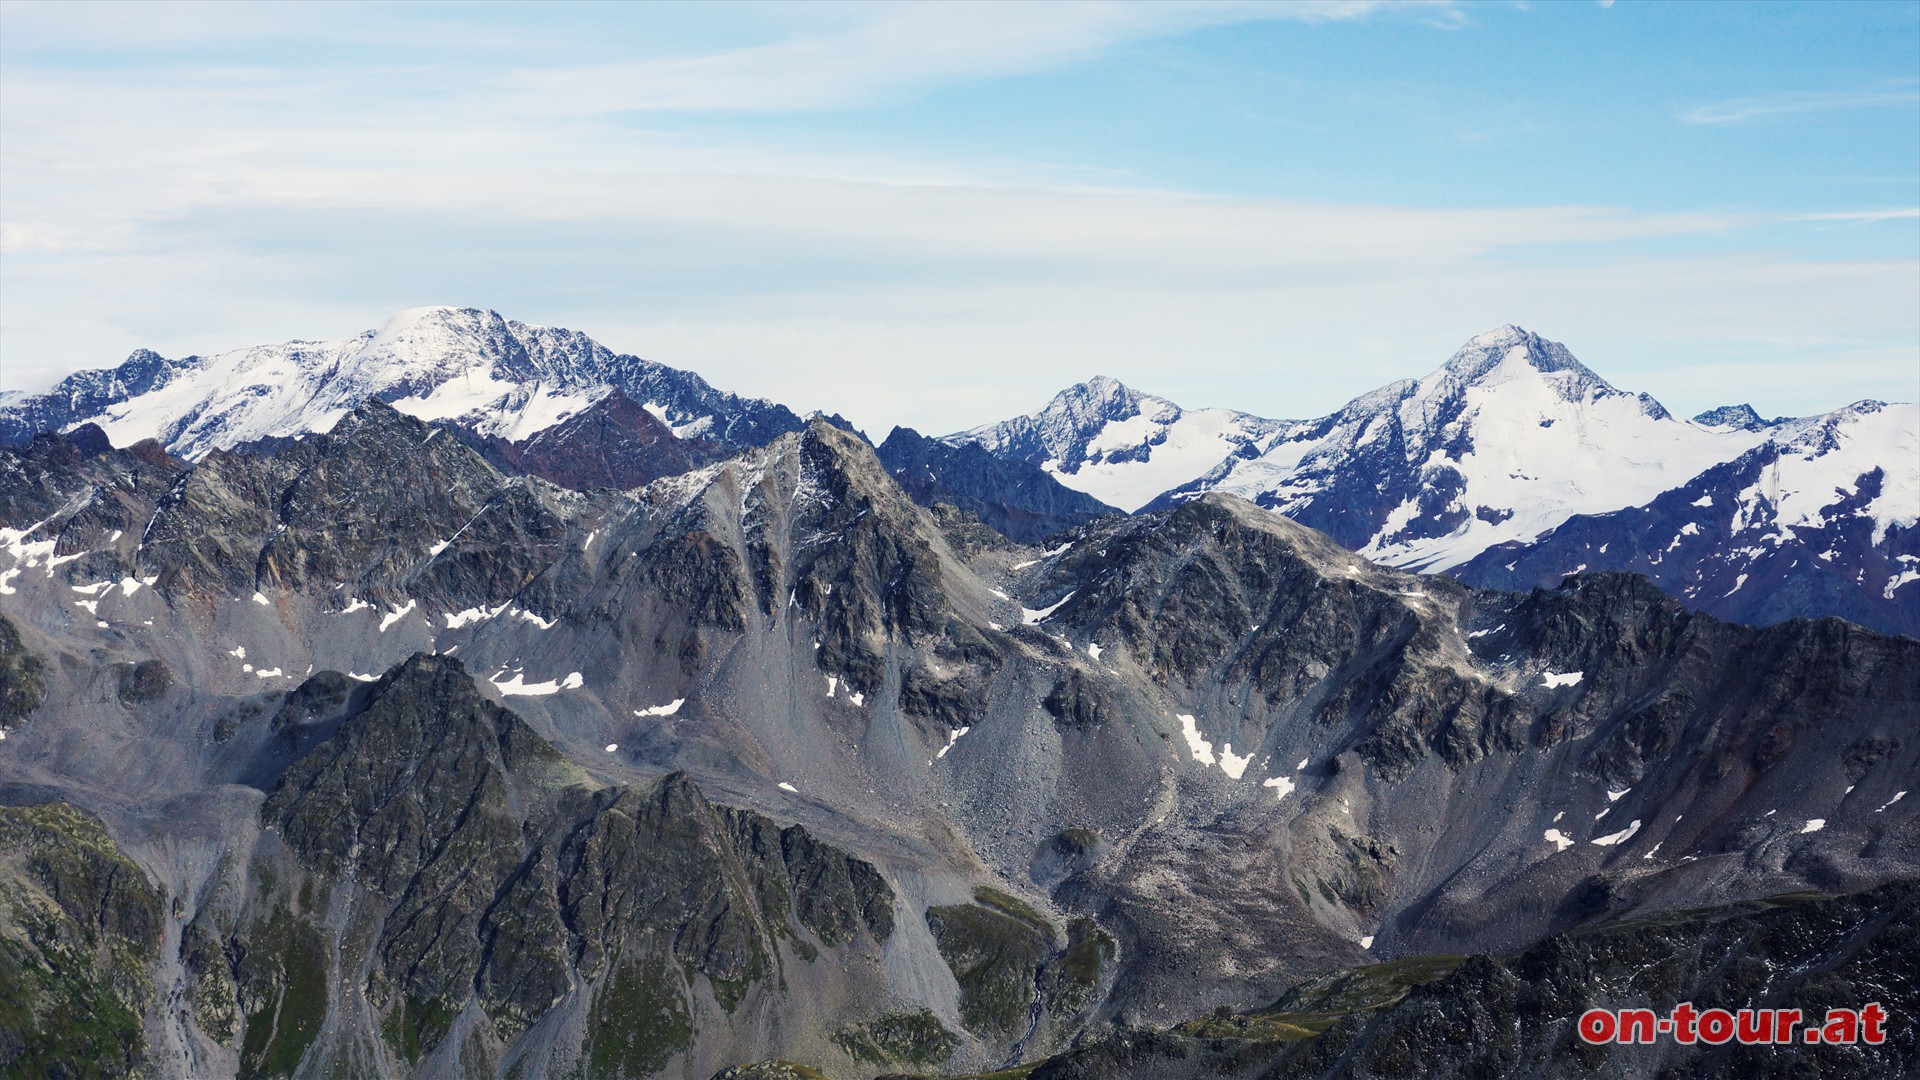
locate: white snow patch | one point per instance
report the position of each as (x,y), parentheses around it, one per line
(360,677)
(1282,785)
(1302,765)
(1620,837)
(952,737)
(544,624)
(238,652)
(93,589)
(1571,678)
(353,604)
(1615,796)
(856,697)
(1367,942)
(1233,766)
(1814,825)
(1897,796)
(1703,501)
(1032,616)
(1560,841)
(784,786)
(1093,650)
(573,681)
(458,619)
(668,709)
(612,746)
(260,599)
(833,681)
(393,616)
(1201,749)
(518,686)
(435,550)
(268,673)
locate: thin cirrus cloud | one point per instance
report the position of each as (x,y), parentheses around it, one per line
(1799,103)
(896,46)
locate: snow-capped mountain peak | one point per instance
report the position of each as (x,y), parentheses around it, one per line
(1508,438)
(467,365)
(1117,444)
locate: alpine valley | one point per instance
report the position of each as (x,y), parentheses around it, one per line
(465,699)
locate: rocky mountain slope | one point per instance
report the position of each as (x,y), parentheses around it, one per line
(1513,1016)
(474,368)
(439,770)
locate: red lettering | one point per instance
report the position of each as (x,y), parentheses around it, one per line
(1716,1026)
(1597,1026)
(1842,1026)
(1755,1025)
(1784,1021)
(1871,1018)
(1636,1026)
(1683,1020)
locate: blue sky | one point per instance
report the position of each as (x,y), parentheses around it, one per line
(938,215)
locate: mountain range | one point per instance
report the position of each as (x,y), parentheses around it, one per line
(1511,465)
(362,735)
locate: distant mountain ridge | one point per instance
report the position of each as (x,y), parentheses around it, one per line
(1512,441)
(467,366)
(1119,445)
(1510,465)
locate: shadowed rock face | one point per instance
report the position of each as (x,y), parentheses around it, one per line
(1010,495)
(789,766)
(614,443)
(1515,1016)
(497,878)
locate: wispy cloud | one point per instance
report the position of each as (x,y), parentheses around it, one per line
(1740,110)
(1862,217)
(253,195)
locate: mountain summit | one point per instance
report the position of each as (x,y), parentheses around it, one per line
(469,366)
(1117,444)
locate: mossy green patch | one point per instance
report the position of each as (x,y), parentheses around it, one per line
(79,929)
(23,676)
(639,1021)
(1013,906)
(902,1038)
(1072,977)
(1315,1006)
(283,977)
(416,1025)
(995,956)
